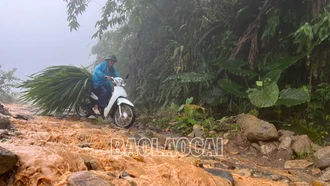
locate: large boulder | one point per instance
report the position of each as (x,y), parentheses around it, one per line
(87,178)
(255,129)
(8,160)
(303,145)
(4,122)
(322,158)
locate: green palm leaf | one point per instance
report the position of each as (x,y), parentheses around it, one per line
(57,89)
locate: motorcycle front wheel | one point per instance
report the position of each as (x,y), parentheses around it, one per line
(126,119)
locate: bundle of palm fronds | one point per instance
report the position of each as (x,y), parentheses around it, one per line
(58,89)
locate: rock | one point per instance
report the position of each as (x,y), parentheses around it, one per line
(124,174)
(4,122)
(315,171)
(23,116)
(155,128)
(275,177)
(3,134)
(4,111)
(316,147)
(245,172)
(7,160)
(255,129)
(87,178)
(297,164)
(83,118)
(303,145)
(284,154)
(92,163)
(322,158)
(225,141)
(198,130)
(137,137)
(284,133)
(268,148)
(256,146)
(192,134)
(325,176)
(226,135)
(84,145)
(285,143)
(149,134)
(300,183)
(224,174)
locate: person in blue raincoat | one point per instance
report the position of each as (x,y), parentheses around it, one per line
(101,85)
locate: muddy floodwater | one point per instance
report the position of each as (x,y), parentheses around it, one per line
(51,149)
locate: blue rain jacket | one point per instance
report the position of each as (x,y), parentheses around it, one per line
(102,70)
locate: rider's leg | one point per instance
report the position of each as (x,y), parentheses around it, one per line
(103,95)
(96,106)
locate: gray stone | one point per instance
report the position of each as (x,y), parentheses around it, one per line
(285,143)
(316,147)
(87,178)
(221,173)
(297,164)
(84,145)
(275,177)
(149,134)
(7,160)
(303,145)
(198,131)
(256,146)
(284,133)
(268,148)
(4,122)
(3,134)
(315,171)
(284,154)
(92,163)
(4,111)
(255,129)
(23,116)
(322,158)
(325,176)
(245,172)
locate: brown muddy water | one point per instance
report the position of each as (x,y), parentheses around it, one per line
(50,150)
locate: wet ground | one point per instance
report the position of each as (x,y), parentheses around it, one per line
(51,149)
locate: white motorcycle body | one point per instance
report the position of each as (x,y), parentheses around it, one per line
(119,107)
(118,97)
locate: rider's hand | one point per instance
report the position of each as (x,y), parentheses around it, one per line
(107,77)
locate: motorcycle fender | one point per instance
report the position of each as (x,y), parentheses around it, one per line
(124,100)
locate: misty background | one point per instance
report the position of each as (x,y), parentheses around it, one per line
(34,34)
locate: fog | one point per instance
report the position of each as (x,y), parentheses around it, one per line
(34,34)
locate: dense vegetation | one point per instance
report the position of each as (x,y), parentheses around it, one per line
(266,57)
(7,82)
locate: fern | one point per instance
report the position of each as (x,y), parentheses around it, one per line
(273,21)
(236,67)
(190,77)
(232,87)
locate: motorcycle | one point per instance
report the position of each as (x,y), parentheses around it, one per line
(119,108)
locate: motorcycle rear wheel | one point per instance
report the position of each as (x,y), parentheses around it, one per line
(127,118)
(84,110)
